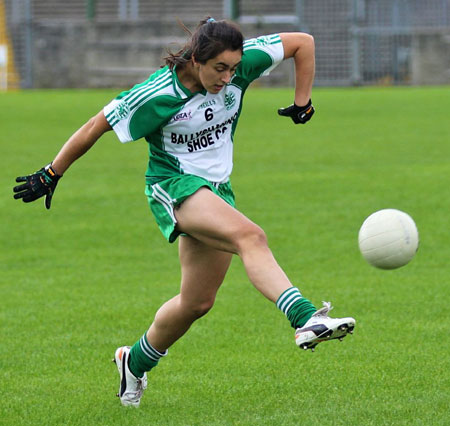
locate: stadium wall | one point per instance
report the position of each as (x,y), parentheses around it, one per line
(84,54)
(111,54)
(358,42)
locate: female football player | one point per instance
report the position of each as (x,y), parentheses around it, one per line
(187,112)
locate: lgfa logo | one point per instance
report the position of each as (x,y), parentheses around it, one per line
(182,116)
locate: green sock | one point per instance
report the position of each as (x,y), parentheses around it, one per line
(297,309)
(143,357)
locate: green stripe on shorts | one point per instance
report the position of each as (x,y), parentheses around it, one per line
(164,196)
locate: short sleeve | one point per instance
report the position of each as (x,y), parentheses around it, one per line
(261,56)
(144,109)
(142,121)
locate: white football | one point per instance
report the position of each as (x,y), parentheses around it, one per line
(388,239)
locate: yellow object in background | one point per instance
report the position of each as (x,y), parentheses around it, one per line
(9,79)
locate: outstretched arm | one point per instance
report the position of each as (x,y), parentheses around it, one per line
(300,47)
(44,181)
(80,142)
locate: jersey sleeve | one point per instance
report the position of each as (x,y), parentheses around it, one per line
(144,109)
(261,56)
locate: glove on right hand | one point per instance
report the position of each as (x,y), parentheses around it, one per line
(43,182)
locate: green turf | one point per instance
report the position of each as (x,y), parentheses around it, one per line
(87,276)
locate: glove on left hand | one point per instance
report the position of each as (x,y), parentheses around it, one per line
(299,115)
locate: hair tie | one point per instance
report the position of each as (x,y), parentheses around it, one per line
(210,20)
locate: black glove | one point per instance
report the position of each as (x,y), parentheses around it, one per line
(43,182)
(298,114)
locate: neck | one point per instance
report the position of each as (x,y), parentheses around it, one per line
(188,76)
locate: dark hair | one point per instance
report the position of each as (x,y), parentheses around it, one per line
(210,39)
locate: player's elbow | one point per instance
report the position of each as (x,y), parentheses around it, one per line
(297,43)
(306,41)
(308,37)
(98,125)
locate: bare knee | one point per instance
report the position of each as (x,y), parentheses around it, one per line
(252,237)
(198,308)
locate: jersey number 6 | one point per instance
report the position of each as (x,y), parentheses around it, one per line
(209,114)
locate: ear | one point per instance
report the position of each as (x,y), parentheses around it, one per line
(194,61)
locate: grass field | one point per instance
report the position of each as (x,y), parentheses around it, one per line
(87,276)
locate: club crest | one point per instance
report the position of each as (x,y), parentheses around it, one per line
(230,100)
(122,110)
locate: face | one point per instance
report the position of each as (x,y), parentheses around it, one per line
(218,71)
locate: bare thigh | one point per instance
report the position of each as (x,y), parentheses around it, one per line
(208,218)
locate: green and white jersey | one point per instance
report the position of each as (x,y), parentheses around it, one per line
(190,133)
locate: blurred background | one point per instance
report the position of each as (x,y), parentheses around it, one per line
(116,43)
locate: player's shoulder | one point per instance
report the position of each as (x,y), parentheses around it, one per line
(262,51)
(160,83)
(158,96)
(263,42)
(155,97)
(261,54)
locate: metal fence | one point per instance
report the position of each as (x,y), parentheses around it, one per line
(392,40)
(363,42)
(358,42)
(18,30)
